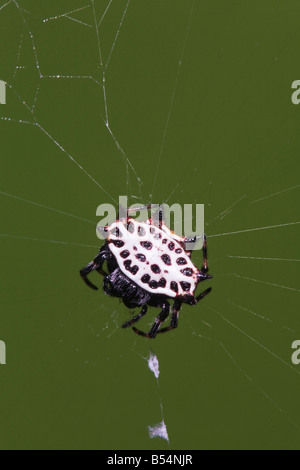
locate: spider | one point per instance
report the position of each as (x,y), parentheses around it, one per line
(147,265)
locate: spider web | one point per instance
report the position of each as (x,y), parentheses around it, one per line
(230,332)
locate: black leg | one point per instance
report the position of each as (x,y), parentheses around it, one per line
(174,320)
(136,318)
(96,264)
(159,320)
(204,268)
(191,300)
(107,286)
(160,218)
(203,294)
(203,273)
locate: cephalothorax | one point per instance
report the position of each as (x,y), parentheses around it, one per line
(147,265)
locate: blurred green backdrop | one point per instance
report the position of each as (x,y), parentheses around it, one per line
(198,96)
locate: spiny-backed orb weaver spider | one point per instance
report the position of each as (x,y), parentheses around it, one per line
(147,265)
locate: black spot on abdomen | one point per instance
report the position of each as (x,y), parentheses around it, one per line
(141,257)
(171,246)
(124,254)
(118,243)
(181,261)
(185,286)
(134,269)
(130,227)
(174,286)
(187,271)
(166,259)
(141,231)
(153,284)
(155,268)
(147,245)
(127,264)
(162,282)
(146,278)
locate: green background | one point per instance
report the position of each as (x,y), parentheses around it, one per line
(199,94)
